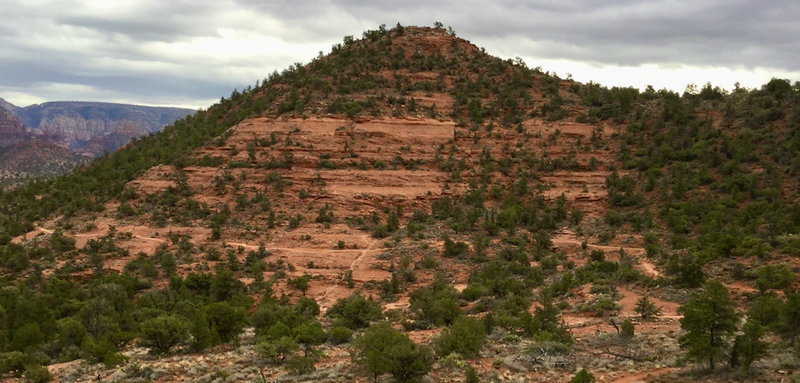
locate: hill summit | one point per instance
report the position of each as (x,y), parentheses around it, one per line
(411,206)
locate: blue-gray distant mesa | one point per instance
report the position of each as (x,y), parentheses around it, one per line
(190,53)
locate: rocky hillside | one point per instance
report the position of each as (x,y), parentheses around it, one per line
(35,159)
(407,208)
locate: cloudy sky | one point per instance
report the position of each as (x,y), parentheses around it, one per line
(192,52)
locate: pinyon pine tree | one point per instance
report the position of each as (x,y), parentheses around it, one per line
(709,320)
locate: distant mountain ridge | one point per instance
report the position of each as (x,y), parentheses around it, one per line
(92,128)
(81,130)
(8,106)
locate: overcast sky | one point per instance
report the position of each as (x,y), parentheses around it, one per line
(192,52)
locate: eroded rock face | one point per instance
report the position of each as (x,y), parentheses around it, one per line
(7,106)
(92,127)
(12,130)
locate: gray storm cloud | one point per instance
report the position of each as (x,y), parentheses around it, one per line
(193,52)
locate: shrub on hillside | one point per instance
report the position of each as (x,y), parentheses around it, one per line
(355,312)
(161,333)
(466,337)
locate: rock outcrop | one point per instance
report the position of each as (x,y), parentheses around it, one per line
(12,130)
(93,127)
